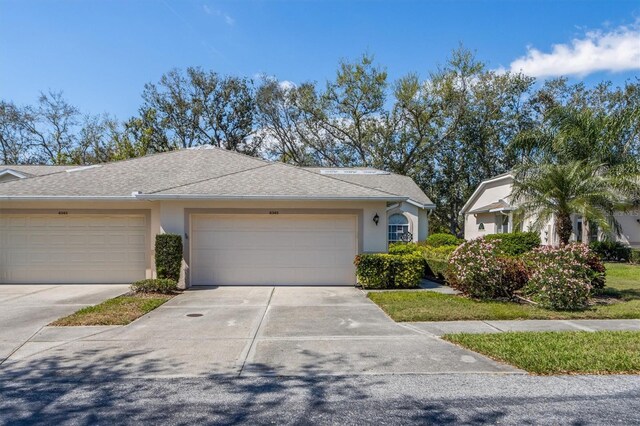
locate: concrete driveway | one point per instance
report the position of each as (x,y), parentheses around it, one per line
(249,331)
(26,309)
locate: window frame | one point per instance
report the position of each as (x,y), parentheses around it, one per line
(398,229)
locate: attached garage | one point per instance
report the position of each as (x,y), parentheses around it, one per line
(73,248)
(276,249)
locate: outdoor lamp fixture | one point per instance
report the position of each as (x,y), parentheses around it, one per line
(376,219)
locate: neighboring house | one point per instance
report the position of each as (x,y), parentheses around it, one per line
(490,210)
(243,220)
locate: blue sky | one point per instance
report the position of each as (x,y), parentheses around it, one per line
(101,53)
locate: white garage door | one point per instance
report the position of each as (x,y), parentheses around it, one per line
(38,248)
(279,249)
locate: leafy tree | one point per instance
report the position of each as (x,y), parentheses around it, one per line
(50,128)
(13,144)
(199,107)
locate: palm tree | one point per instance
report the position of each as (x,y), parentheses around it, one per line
(580,161)
(548,190)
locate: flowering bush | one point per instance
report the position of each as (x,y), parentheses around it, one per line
(478,269)
(563,277)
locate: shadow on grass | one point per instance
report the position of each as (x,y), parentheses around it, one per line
(623,295)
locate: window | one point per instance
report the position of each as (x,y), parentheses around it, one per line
(502,222)
(398,225)
(481,227)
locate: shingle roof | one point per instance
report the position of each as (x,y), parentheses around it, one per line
(196,173)
(384,181)
(35,170)
(278,180)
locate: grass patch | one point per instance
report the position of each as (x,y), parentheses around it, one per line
(120,310)
(570,352)
(623,281)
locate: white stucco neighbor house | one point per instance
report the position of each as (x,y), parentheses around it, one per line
(490,210)
(243,220)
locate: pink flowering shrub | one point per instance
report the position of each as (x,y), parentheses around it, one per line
(563,277)
(478,269)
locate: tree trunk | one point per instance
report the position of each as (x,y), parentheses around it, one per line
(586,229)
(564,227)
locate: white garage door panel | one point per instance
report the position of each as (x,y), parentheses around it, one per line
(268,250)
(72,248)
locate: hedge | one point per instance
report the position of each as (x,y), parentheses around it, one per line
(162,285)
(437,240)
(382,270)
(437,259)
(611,251)
(515,244)
(168,256)
(635,256)
(404,248)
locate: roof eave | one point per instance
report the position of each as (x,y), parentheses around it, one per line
(429,206)
(67,197)
(263,197)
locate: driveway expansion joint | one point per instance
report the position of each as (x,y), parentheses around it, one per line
(257,331)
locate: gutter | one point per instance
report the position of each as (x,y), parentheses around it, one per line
(67,198)
(422,206)
(261,197)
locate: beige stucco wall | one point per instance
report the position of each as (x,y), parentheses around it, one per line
(169,216)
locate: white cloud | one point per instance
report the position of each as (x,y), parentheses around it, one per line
(614,51)
(286,85)
(215,12)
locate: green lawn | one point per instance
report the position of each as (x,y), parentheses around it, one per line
(120,310)
(572,352)
(623,281)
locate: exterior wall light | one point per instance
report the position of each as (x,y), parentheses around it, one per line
(376,219)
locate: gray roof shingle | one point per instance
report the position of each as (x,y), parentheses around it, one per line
(388,182)
(210,173)
(35,170)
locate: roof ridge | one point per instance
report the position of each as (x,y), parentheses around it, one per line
(309,171)
(208,179)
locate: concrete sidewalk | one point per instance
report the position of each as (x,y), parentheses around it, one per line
(439,328)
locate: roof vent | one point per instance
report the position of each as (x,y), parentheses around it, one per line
(352,172)
(79,169)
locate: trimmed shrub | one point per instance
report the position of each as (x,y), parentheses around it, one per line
(611,251)
(563,278)
(635,256)
(437,260)
(160,285)
(382,270)
(404,248)
(517,243)
(437,240)
(478,269)
(168,256)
